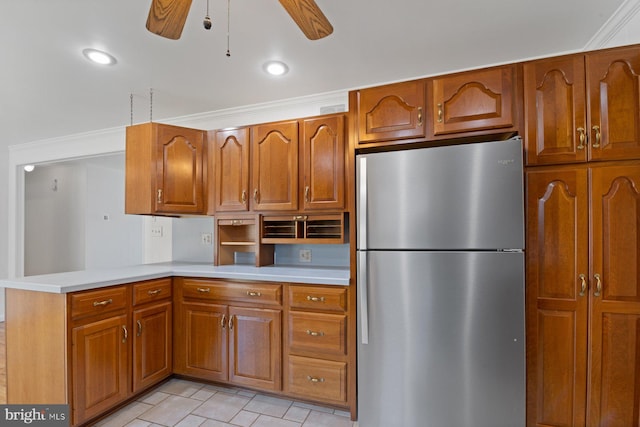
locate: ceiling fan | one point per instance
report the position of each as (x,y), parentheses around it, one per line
(167,17)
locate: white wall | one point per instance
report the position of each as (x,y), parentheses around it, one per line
(55,201)
(111,238)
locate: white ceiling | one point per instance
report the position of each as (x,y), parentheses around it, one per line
(48,89)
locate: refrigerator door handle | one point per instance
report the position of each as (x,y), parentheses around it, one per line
(362,295)
(362,203)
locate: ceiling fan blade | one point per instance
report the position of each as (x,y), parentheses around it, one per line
(167,17)
(309,18)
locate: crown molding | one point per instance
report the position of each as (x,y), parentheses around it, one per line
(614,25)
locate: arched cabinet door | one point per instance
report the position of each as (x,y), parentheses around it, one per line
(474,101)
(557,295)
(613,79)
(232,170)
(391,112)
(614,362)
(322,162)
(164,170)
(274,166)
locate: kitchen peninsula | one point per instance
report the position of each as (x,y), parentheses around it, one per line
(109,335)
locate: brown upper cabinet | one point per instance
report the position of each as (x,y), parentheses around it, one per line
(164,170)
(322,162)
(474,101)
(274,166)
(259,168)
(232,170)
(583,107)
(391,112)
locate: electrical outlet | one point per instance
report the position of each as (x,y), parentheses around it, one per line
(205,238)
(304,255)
(156,231)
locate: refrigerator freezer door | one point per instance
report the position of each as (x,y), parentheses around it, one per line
(446,340)
(454,197)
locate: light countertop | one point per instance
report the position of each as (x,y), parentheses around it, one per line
(92,279)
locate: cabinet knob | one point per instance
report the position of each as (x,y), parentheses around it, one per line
(125,334)
(244,197)
(255,195)
(440,113)
(419,116)
(159,195)
(306,193)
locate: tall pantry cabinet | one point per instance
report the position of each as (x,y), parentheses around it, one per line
(583,239)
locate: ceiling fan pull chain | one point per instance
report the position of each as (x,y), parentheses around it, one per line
(228,25)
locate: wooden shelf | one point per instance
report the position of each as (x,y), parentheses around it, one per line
(240,234)
(297,229)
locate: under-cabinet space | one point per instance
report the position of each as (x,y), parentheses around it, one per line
(310,229)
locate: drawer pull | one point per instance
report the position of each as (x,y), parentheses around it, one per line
(154,291)
(237,222)
(125,334)
(315,379)
(253,294)
(314,333)
(102,303)
(315,299)
(204,290)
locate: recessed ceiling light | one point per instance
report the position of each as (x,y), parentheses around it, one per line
(276,68)
(99,57)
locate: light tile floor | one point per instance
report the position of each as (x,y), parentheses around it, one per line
(184,403)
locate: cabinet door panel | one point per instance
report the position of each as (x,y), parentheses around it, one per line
(473,101)
(322,161)
(201,341)
(232,170)
(152,347)
(615,297)
(555,114)
(100,365)
(255,347)
(614,94)
(557,259)
(274,150)
(391,112)
(180,153)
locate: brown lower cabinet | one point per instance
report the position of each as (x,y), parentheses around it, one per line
(229,332)
(583,295)
(102,346)
(105,346)
(284,338)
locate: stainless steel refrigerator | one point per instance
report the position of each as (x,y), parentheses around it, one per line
(441,287)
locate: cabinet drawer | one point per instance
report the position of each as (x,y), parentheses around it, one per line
(96,302)
(231,291)
(318,298)
(319,379)
(318,333)
(152,290)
